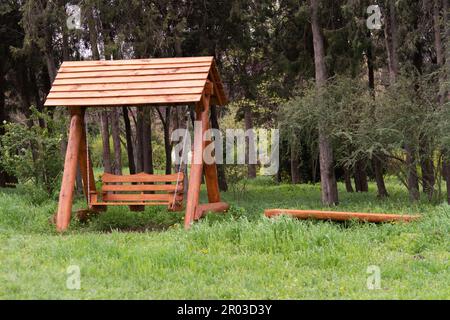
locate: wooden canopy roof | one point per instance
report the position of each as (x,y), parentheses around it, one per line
(162,81)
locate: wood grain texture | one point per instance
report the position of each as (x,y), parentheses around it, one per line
(204,208)
(121,197)
(132,73)
(120,101)
(165,81)
(195,178)
(73,69)
(70,171)
(129,85)
(341,216)
(85,165)
(129,79)
(99,205)
(152,61)
(142,187)
(124,93)
(141,177)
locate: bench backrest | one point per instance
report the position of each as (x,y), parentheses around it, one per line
(142,187)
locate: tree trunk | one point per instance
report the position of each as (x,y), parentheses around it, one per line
(129,139)
(446,174)
(147,141)
(65,45)
(361,183)
(295,164)
(115,132)
(440,59)
(48,54)
(327,175)
(412,177)
(348,180)
(105,139)
(437,32)
(391,39)
(427,166)
(51,66)
(223,186)
(379,179)
(93,34)
(165,116)
(442,63)
(370,67)
(376,160)
(425,155)
(250,151)
(140,141)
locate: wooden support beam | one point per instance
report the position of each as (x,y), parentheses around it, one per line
(341,216)
(195,179)
(198,166)
(85,164)
(210,169)
(212,183)
(202,209)
(70,170)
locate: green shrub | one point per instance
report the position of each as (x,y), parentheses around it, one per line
(31,151)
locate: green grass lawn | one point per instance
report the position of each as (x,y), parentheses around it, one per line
(239,255)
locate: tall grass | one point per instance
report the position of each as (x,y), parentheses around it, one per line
(240,254)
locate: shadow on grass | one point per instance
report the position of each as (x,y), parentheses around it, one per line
(120,219)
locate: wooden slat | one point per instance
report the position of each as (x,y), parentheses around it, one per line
(192,98)
(124,93)
(133,85)
(141,177)
(105,204)
(155,61)
(140,197)
(130,82)
(142,187)
(131,73)
(168,77)
(73,69)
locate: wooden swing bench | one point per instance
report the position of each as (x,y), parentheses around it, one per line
(139,190)
(147,82)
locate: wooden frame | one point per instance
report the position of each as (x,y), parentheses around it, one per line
(174,81)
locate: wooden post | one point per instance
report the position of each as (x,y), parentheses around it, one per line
(210,170)
(85,167)
(195,179)
(70,169)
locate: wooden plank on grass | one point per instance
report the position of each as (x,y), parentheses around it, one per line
(341,216)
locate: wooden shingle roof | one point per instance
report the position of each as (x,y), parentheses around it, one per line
(161,81)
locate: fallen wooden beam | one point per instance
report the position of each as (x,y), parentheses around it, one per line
(341,216)
(202,209)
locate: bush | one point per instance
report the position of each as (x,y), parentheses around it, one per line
(32,151)
(237,179)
